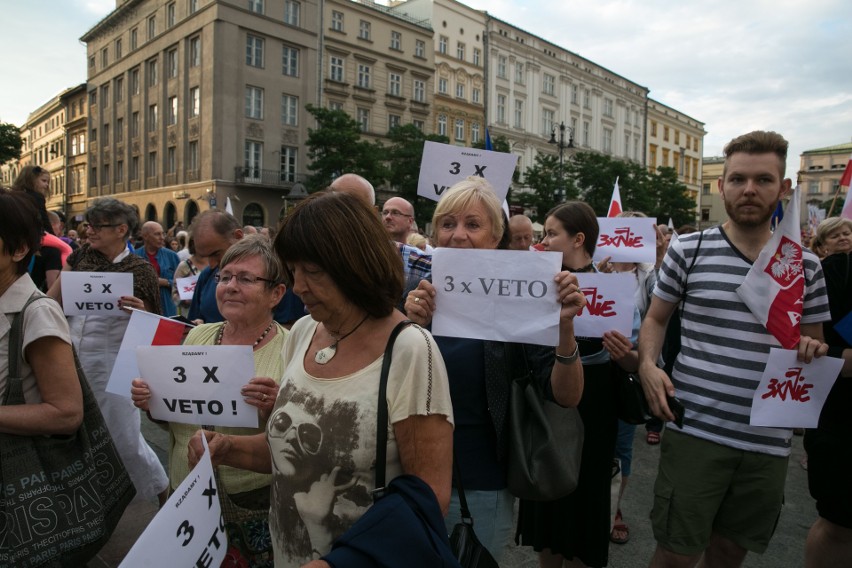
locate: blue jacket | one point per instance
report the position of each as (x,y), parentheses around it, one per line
(168,261)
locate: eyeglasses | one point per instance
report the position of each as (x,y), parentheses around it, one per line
(242,279)
(98,226)
(309,435)
(394,213)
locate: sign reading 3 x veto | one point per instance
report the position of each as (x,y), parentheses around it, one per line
(95,293)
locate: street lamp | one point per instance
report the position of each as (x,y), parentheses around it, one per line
(562,145)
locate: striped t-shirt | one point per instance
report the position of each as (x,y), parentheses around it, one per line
(724,348)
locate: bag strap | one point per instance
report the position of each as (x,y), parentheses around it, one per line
(382,413)
(466,517)
(15,389)
(688,270)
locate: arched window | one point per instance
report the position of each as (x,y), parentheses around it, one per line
(169,215)
(253,215)
(190,212)
(150,212)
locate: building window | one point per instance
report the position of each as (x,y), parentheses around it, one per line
(501,66)
(549,84)
(192,156)
(194,102)
(290,61)
(363,118)
(420,91)
(194,51)
(460,51)
(394,121)
(705,214)
(653,128)
(171,160)
(442,44)
(335,105)
(575,94)
(134,81)
(585,133)
(83,143)
(519,73)
(173,110)
(170,15)
(419,125)
(152,73)
(289,110)
(363,76)
(73,145)
(519,113)
(153,118)
(587,99)
(292,12)
(547,121)
(134,168)
(364,30)
(105,135)
(253,159)
(254,102)
(105,96)
(474,133)
(152,164)
(152,27)
(118,48)
(193,6)
(134,38)
(477,56)
(666,133)
(677,137)
(105,175)
(460,90)
(119,89)
(476,95)
(396,41)
(501,109)
(420,48)
(91,62)
(255,6)
(172,58)
(442,86)
(337,21)
(607,140)
(119,130)
(254,51)
(395,84)
(289,155)
(442,124)
(607,110)
(134,125)
(336,69)
(459,130)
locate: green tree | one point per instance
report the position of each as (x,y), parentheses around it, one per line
(543,177)
(10,142)
(335,147)
(672,199)
(403,159)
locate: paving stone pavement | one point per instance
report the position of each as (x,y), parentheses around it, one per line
(785,550)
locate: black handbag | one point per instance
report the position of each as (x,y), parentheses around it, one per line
(545,441)
(631,406)
(62,495)
(467,548)
(405,526)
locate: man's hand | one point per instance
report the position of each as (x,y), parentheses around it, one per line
(809,348)
(656,384)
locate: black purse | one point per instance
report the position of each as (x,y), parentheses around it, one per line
(545,441)
(631,406)
(467,548)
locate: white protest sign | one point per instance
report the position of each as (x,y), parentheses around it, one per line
(627,239)
(501,295)
(610,301)
(199,384)
(792,393)
(188,530)
(95,293)
(443,165)
(186,286)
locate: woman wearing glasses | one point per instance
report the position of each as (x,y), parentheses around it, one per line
(98,338)
(249,286)
(320,444)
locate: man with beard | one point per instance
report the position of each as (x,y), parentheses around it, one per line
(720,484)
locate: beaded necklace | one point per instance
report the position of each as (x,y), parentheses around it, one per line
(256,343)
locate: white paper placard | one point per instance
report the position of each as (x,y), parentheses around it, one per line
(95,293)
(444,165)
(791,393)
(186,286)
(189,529)
(501,295)
(199,384)
(610,302)
(627,239)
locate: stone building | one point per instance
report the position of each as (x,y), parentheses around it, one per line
(711,208)
(819,176)
(675,140)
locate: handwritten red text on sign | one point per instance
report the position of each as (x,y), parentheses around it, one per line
(623,237)
(596,303)
(793,386)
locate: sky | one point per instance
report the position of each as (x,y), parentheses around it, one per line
(735,65)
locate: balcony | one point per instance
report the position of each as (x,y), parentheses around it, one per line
(275,178)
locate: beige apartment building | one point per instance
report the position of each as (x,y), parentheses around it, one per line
(196,102)
(75,195)
(377,66)
(676,140)
(819,176)
(711,208)
(459,69)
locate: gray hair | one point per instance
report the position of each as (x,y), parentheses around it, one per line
(256,246)
(111,210)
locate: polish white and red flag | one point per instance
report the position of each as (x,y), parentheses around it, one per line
(774,287)
(846,179)
(615,203)
(143,329)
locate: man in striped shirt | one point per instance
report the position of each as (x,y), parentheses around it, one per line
(720,484)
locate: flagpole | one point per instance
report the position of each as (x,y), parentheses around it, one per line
(834,200)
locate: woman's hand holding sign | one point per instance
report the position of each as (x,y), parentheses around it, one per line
(420,303)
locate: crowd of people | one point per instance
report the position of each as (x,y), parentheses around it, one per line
(318,299)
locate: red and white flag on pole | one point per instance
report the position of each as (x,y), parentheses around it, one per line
(615,202)
(846,179)
(143,329)
(774,287)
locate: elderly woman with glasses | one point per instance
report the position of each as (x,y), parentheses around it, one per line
(320,444)
(98,337)
(249,286)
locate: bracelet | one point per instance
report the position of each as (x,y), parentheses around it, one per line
(571,358)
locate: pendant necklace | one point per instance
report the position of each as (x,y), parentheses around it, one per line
(256,343)
(326,354)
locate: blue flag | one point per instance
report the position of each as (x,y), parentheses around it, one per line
(777,216)
(488,145)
